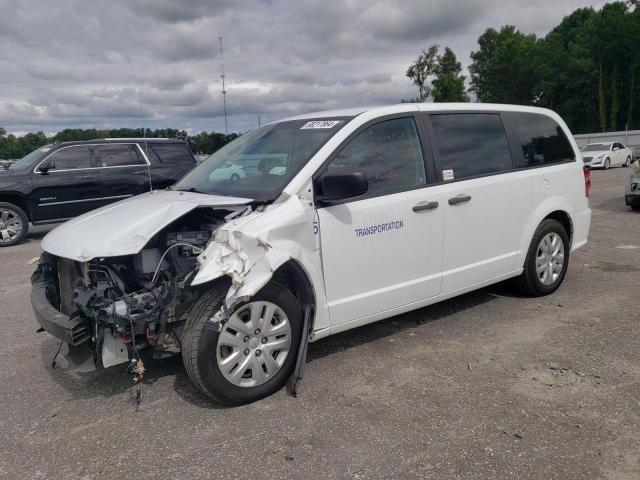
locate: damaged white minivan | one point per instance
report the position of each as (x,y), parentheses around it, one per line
(337,219)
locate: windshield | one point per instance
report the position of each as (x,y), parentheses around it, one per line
(259,164)
(25,162)
(596,147)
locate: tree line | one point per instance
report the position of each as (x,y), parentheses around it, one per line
(587,69)
(12,146)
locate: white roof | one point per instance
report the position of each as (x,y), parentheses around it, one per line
(423,107)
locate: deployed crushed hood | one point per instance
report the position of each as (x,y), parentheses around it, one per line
(124,228)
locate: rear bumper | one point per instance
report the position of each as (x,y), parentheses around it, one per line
(581,225)
(72,330)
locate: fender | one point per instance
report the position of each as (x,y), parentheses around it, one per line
(251,248)
(17,198)
(547,206)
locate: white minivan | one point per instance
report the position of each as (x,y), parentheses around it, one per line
(371,212)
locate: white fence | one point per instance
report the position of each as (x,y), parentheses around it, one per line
(630,138)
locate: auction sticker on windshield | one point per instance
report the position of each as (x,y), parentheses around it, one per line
(320,124)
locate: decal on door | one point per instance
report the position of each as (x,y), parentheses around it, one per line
(380,228)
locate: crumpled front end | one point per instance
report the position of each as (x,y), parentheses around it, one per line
(114,306)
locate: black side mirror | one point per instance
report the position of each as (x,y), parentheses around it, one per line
(342,183)
(45,167)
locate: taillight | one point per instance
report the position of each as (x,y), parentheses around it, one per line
(587,180)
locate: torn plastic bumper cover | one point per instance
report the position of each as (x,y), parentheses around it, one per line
(72,330)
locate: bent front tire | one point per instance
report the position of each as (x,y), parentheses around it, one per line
(547,260)
(254,353)
(14,224)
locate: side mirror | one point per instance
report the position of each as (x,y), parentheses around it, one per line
(45,167)
(342,183)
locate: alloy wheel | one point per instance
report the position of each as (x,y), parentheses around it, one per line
(10,225)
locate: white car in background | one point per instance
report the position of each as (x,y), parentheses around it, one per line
(607,154)
(227,171)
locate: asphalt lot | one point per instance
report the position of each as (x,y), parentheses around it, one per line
(488,385)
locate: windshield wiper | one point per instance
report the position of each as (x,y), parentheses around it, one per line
(195,190)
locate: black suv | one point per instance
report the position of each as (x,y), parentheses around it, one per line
(63,180)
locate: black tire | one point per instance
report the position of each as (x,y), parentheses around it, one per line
(627,162)
(635,207)
(528,282)
(200,342)
(607,163)
(19,214)
(235,178)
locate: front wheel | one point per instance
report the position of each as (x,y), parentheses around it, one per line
(254,353)
(607,164)
(547,259)
(14,224)
(627,162)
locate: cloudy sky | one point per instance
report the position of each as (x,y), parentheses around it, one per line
(156,63)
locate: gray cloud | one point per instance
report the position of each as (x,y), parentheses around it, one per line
(155,63)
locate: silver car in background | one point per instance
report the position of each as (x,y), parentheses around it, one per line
(632,190)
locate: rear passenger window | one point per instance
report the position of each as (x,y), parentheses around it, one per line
(171,153)
(538,140)
(471,144)
(390,155)
(118,155)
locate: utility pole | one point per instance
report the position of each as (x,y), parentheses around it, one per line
(224,92)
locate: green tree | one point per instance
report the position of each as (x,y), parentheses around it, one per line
(503,70)
(567,72)
(17,147)
(422,70)
(448,86)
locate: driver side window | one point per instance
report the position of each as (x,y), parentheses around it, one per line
(390,155)
(69,158)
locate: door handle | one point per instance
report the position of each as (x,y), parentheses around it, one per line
(425,206)
(88,177)
(462,198)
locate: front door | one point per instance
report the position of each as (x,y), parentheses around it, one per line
(65,184)
(383,250)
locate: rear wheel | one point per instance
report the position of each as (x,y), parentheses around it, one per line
(254,353)
(547,259)
(14,224)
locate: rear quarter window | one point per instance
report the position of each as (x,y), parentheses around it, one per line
(537,140)
(168,153)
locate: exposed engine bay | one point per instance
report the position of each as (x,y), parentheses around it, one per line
(120,305)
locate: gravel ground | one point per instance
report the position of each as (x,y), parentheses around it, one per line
(487,385)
